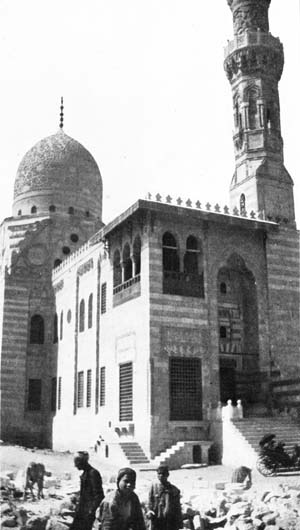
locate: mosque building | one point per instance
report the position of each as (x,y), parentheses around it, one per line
(127,335)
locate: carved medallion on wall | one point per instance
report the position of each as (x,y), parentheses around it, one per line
(37,254)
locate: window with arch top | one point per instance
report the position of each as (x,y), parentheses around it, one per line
(61,327)
(90,311)
(33,209)
(170,253)
(81,315)
(242,204)
(137,255)
(127,263)
(37,331)
(252,108)
(117,274)
(55,329)
(57,263)
(191,256)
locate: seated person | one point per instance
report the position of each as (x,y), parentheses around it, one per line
(242,475)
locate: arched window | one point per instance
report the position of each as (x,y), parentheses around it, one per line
(81,315)
(223,332)
(19,212)
(55,330)
(137,255)
(223,288)
(90,311)
(170,253)
(127,263)
(238,121)
(252,108)
(117,275)
(242,204)
(269,118)
(52,208)
(33,209)
(57,262)
(191,256)
(37,330)
(71,210)
(236,112)
(61,327)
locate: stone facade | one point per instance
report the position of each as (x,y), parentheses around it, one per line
(135,331)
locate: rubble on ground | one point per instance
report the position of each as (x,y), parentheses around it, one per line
(224,505)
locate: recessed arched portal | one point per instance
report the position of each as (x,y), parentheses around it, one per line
(238,330)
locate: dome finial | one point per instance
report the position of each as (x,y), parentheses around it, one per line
(61,124)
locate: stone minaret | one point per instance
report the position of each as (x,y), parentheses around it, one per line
(253,64)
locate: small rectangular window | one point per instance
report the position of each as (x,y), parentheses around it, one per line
(102,386)
(80,387)
(53,393)
(59,394)
(89,388)
(34,394)
(103,297)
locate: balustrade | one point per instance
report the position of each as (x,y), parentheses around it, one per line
(256,38)
(127,284)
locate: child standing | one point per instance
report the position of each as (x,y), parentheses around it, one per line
(121,509)
(164,503)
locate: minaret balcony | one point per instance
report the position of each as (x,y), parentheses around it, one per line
(252,38)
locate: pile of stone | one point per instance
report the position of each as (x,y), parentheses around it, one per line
(235,509)
(26,513)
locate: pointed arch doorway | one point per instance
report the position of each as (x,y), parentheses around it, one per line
(238,331)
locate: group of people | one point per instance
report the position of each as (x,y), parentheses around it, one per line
(121,508)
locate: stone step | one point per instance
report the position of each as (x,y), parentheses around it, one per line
(134,453)
(253,429)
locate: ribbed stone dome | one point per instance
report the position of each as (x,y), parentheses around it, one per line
(58,174)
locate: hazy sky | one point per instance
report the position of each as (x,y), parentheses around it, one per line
(144,90)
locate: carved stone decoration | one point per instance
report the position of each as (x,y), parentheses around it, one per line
(254,61)
(37,254)
(85,267)
(59,286)
(249,15)
(183,341)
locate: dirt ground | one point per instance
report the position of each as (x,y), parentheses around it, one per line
(14,458)
(199,487)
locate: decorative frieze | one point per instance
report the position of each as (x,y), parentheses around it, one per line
(182,341)
(58,287)
(85,267)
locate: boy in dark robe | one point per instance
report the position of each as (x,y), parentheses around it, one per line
(121,509)
(164,509)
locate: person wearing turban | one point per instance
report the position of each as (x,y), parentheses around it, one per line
(91,493)
(121,509)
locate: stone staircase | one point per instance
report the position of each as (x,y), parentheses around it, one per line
(134,453)
(166,456)
(253,429)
